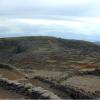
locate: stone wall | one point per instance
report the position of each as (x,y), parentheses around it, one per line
(95,72)
(28,90)
(77,93)
(74,92)
(6,66)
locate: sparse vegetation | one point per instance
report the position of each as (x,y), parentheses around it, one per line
(47,52)
(52,63)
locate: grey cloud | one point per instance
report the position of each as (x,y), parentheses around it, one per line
(40,8)
(22,29)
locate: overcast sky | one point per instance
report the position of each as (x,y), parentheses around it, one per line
(78,19)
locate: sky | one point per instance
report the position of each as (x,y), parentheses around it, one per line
(72,19)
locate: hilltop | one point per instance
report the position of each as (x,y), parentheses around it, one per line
(48,53)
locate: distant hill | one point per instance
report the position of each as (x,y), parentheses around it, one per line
(98,42)
(48,53)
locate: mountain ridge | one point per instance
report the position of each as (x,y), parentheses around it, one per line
(97,42)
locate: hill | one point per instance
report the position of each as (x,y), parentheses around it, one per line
(98,42)
(48,53)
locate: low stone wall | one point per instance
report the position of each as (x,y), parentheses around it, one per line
(77,93)
(6,66)
(44,80)
(96,72)
(28,90)
(74,92)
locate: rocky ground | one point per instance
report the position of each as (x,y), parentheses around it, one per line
(63,84)
(65,68)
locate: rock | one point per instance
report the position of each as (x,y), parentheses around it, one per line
(27,89)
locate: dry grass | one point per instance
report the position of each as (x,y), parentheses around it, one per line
(10,74)
(87,83)
(43,73)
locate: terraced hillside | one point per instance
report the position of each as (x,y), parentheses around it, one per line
(66,69)
(48,53)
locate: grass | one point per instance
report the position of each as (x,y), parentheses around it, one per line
(87,83)
(47,53)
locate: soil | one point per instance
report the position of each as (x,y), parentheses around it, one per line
(10,74)
(5,94)
(87,83)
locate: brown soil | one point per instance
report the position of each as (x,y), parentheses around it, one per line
(5,94)
(86,83)
(10,74)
